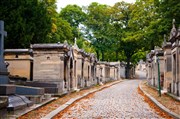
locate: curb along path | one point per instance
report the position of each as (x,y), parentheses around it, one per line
(74,100)
(163,108)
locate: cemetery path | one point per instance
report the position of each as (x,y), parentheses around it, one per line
(119,101)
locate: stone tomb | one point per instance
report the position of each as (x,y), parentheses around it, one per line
(103,72)
(87,70)
(112,72)
(84,68)
(93,62)
(15,58)
(175,55)
(116,73)
(78,67)
(122,70)
(167,64)
(153,67)
(53,63)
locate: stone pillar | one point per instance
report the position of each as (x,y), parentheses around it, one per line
(167,65)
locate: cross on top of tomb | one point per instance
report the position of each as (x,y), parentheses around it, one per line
(75,44)
(173,23)
(2,34)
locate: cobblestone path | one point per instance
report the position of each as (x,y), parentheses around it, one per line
(119,101)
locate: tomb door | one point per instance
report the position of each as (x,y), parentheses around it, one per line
(71,73)
(82,72)
(92,72)
(65,73)
(174,71)
(31,70)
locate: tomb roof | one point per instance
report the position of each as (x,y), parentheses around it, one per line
(18,51)
(51,46)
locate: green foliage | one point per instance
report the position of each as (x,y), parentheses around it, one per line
(86,45)
(123,32)
(61,31)
(97,28)
(74,15)
(168,10)
(33,21)
(26,21)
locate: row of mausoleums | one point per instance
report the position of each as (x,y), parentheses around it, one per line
(67,67)
(169,62)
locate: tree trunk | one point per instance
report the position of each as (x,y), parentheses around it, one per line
(152,45)
(128,68)
(102,55)
(97,52)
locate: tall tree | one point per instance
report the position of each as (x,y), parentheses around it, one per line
(60,29)
(26,22)
(97,27)
(74,15)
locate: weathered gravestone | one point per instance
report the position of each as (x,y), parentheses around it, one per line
(8,97)
(3,70)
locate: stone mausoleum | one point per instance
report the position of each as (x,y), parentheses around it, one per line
(169,58)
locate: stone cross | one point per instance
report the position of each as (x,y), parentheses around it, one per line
(3,70)
(75,41)
(2,34)
(173,23)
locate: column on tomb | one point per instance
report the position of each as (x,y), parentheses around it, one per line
(167,65)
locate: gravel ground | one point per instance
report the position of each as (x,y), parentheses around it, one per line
(119,101)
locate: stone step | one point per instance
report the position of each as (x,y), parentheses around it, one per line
(26,90)
(7,89)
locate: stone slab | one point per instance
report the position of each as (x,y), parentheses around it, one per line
(48,87)
(6,89)
(25,90)
(26,100)
(15,103)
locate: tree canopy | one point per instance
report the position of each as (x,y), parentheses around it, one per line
(123,32)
